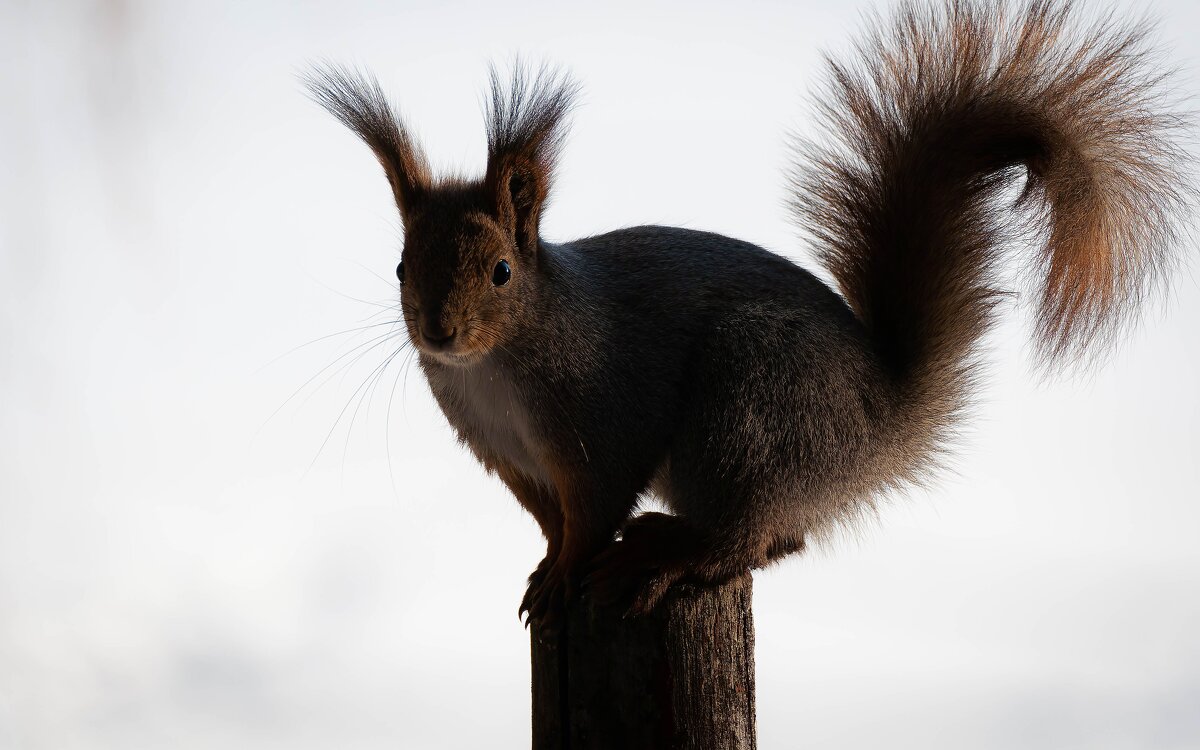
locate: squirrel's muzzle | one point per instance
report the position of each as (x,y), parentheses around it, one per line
(435,335)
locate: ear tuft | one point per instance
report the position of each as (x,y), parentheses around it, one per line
(525,130)
(357,100)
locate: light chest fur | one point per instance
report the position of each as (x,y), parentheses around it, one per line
(489,412)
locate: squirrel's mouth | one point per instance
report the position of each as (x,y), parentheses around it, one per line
(455,351)
(454,358)
(447,342)
(455,345)
(442,342)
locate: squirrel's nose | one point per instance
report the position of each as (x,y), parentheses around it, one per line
(435,333)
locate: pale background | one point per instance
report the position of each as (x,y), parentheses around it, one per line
(175,215)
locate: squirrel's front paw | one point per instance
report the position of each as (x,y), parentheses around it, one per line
(536,579)
(546,600)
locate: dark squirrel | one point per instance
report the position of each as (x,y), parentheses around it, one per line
(760,405)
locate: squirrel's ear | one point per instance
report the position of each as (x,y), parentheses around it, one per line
(525,129)
(358,101)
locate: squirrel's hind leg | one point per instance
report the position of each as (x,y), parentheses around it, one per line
(774,409)
(658,550)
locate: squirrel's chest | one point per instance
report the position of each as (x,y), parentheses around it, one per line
(491,416)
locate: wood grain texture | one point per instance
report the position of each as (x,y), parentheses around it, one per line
(681,677)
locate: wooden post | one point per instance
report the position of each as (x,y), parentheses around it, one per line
(680,677)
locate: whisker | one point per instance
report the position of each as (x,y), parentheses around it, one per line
(373,378)
(391,283)
(387,424)
(327,336)
(404,389)
(343,294)
(377,341)
(342,414)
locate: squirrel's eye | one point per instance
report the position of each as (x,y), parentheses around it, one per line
(400,272)
(502,273)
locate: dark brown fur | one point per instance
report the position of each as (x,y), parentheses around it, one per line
(762,407)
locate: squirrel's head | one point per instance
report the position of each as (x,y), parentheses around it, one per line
(468,271)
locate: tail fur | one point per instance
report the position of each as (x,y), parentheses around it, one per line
(939,110)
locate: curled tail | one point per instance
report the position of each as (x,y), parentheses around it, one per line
(936,114)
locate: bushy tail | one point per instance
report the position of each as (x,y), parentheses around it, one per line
(932,119)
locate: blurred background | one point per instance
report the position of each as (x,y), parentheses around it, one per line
(222,526)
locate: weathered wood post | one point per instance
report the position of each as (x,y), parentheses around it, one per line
(680,677)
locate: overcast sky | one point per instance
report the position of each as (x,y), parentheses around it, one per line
(202,546)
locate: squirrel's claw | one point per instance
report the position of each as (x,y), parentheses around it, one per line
(536,579)
(627,577)
(638,570)
(546,599)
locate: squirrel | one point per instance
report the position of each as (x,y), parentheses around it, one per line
(761,406)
